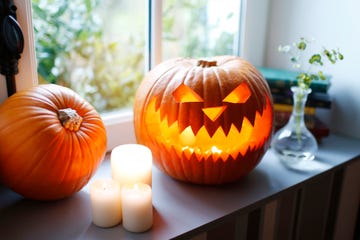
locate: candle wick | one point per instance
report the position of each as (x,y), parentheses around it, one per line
(104,186)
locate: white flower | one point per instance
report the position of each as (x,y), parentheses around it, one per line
(284,49)
(297,65)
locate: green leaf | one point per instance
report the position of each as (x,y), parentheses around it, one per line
(316,58)
(301,77)
(301,45)
(307,80)
(321,75)
(293,59)
(230,15)
(330,56)
(341,57)
(314,77)
(61,10)
(39,12)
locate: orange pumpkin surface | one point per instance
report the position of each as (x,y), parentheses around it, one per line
(206,122)
(51,142)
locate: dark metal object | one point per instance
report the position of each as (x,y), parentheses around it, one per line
(11,44)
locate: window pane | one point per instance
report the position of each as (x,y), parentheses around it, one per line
(200,28)
(95,47)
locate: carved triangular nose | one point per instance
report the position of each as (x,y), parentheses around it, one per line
(214,112)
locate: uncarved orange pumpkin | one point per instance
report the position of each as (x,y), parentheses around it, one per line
(51,142)
(206,121)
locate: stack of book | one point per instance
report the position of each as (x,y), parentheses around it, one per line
(280,82)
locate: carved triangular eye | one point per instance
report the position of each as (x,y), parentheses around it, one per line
(185,94)
(239,95)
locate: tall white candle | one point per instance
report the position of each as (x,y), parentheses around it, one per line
(131,163)
(105,197)
(137,207)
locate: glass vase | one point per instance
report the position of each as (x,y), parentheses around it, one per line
(294,144)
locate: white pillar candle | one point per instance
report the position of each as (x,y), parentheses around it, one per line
(105,197)
(137,207)
(131,163)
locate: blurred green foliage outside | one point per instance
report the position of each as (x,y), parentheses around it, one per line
(74,49)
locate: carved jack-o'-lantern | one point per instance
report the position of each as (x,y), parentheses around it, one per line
(206,122)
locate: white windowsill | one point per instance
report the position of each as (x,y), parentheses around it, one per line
(120,125)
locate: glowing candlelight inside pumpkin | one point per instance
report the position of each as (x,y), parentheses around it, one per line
(131,163)
(187,137)
(210,124)
(215,150)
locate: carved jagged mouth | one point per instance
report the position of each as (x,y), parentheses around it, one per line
(219,145)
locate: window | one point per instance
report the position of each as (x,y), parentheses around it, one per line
(115,44)
(201,28)
(94,47)
(27,75)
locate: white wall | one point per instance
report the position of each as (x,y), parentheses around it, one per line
(254,30)
(333,23)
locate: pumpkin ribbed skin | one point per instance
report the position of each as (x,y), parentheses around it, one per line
(206,122)
(41,157)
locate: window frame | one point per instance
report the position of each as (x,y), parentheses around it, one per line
(27,76)
(119,125)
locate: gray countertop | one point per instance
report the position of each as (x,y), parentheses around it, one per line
(180,209)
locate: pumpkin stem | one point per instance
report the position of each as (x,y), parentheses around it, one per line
(70,119)
(205,63)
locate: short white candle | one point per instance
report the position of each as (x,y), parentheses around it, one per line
(137,207)
(105,197)
(131,163)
